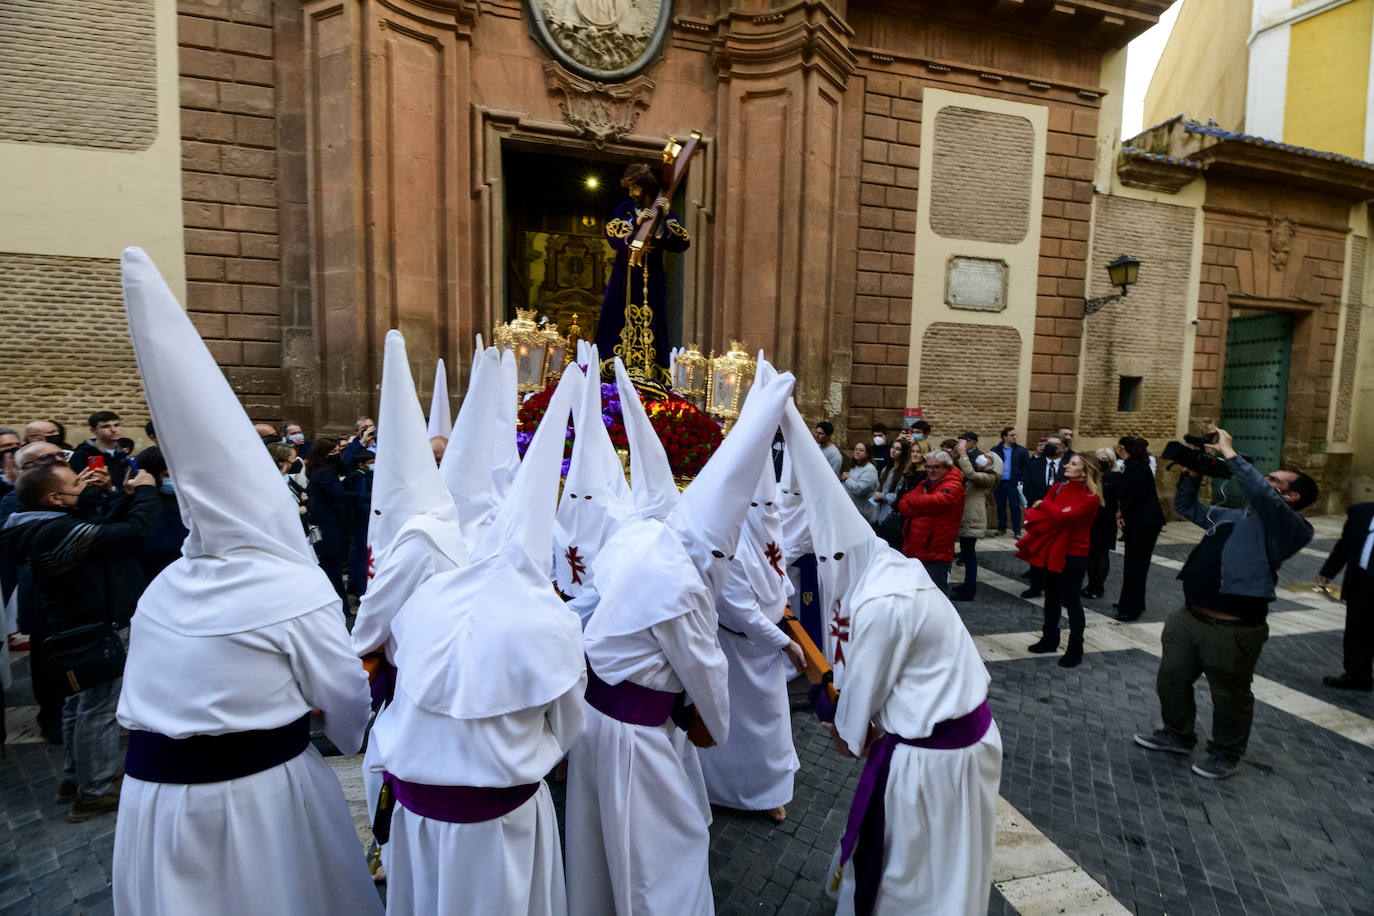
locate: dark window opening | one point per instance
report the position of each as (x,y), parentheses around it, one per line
(1128,395)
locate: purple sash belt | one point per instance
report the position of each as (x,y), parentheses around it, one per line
(458,804)
(199,759)
(863,834)
(629,703)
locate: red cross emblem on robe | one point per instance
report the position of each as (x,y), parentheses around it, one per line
(576,564)
(774,555)
(839,628)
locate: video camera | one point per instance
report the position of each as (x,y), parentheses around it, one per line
(1194,457)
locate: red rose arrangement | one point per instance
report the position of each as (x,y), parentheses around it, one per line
(688,434)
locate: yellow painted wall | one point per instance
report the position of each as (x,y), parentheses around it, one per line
(1204,65)
(1328,80)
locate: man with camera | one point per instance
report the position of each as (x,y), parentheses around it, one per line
(88,580)
(1228,582)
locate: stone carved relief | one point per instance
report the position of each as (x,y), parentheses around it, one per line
(1280,241)
(600,112)
(601,39)
(603,34)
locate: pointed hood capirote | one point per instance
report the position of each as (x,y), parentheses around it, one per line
(245,562)
(710,515)
(595,495)
(405,481)
(439,422)
(652,487)
(446,631)
(466,468)
(506,450)
(850,557)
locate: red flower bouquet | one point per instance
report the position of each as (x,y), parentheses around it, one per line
(689,435)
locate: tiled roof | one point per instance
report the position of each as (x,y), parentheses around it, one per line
(1196,127)
(1137,153)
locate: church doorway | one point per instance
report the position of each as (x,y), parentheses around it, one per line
(557,260)
(1254,392)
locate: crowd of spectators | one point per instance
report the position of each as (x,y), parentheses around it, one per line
(84,528)
(930,499)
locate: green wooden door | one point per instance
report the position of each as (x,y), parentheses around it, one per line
(1255,388)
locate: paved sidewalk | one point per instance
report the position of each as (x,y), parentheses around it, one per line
(1089,822)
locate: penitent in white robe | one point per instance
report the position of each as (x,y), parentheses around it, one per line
(508,865)
(484,698)
(637,840)
(912,665)
(423,548)
(279,841)
(752,771)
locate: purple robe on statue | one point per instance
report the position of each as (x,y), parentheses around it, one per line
(619,230)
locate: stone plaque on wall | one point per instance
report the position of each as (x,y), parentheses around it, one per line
(976,283)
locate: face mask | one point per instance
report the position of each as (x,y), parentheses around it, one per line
(1051,450)
(918,436)
(296,438)
(878,440)
(1104,465)
(55,439)
(167,487)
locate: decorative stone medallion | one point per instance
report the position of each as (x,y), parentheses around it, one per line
(606,40)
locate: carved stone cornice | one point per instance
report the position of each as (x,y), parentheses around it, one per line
(600,112)
(807,34)
(456,15)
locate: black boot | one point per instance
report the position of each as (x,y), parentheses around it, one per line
(1048,643)
(963,593)
(1073,655)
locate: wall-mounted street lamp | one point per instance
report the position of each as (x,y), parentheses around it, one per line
(1123,272)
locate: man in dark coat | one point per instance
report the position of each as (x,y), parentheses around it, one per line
(85,572)
(1014,461)
(104,447)
(1353,552)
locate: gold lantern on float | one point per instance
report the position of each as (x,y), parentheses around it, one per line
(530,345)
(689,373)
(556,346)
(727,379)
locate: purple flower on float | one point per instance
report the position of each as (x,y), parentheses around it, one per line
(567,462)
(522,441)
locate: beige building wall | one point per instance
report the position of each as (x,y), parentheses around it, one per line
(982,207)
(1150,333)
(1203,69)
(90,158)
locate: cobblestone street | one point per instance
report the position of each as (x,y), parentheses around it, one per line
(1089,822)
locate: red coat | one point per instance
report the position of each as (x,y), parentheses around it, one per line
(1060,528)
(933,515)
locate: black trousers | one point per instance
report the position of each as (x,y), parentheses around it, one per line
(1099,564)
(1138,545)
(1359,629)
(49,703)
(1061,590)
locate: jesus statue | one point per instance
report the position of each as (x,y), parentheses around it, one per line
(629,285)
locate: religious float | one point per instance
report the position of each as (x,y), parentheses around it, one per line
(691,399)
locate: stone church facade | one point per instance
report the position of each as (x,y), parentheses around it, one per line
(905,202)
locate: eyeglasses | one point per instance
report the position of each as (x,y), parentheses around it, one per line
(62,456)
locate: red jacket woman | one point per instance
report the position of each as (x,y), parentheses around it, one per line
(1059,526)
(1058,535)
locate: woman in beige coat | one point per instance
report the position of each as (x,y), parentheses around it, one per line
(981,474)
